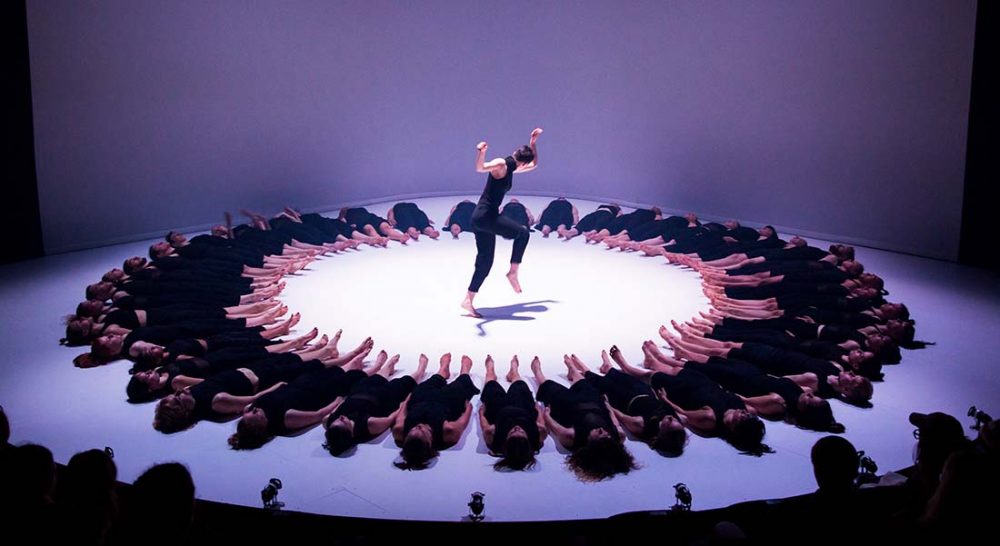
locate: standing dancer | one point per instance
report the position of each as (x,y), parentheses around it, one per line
(486,220)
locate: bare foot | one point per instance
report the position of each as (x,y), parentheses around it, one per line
(381,359)
(546,230)
(513,375)
(514,283)
(536,366)
(605,363)
(470,310)
(491,372)
(445,369)
(617,356)
(418,374)
(466,365)
(569,364)
(390,366)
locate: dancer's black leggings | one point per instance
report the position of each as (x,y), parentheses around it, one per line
(487,224)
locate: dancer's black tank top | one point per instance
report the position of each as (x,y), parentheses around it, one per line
(497,188)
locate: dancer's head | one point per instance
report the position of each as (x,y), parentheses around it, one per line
(174,413)
(133,264)
(339,434)
(744,431)
(814,413)
(159,250)
(600,459)
(854,388)
(251,431)
(114,276)
(101,291)
(524,155)
(518,453)
(175,239)
(671,437)
(418,448)
(146,386)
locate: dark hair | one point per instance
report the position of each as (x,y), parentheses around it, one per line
(338,440)
(835,462)
(416,454)
(88,492)
(746,436)
(818,417)
(670,442)
(138,391)
(870,368)
(173,415)
(89,308)
(862,394)
(94,291)
(88,360)
(518,454)
(600,459)
(524,154)
(36,472)
(247,437)
(133,264)
(75,335)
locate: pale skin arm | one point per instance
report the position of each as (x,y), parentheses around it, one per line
(562,434)
(452,430)
(447,221)
(488,429)
(297,419)
(378,425)
(768,405)
(182,382)
(496,166)
(397,427)
(228,404)
(390,217)
(631,423)
(701,420)
(614,419)
(576,216)
(540,423)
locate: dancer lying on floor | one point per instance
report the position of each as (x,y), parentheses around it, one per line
(301,403)
(581,420)
(642,413)
(460,218)
(704,406)
(227,393)
(558,215)
(371,224)
(409,219)
(434,416)
(513,428)
(592,222)
(371,407)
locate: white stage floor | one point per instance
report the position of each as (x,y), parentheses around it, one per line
(577,299)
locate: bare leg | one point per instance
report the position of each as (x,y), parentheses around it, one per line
(653,352)
(380,360)
(513,374)
(605,363)
(316,351)
(418,374)
(491,372)
(573,374)
(332,346)
(445,369)
(467,305)
(578,364)
(536,370)
(366,347)
(431,232)
(281,329)
(293,344)
(512,277)
(393,233)
(619,359)
(466,365)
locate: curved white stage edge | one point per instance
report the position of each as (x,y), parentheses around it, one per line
(577,299)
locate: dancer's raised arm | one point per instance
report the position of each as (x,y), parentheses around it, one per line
(533,143)
(482,167)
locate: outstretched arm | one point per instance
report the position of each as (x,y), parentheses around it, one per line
(562,434)
(297,419)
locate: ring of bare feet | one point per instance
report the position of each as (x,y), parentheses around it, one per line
(791,328)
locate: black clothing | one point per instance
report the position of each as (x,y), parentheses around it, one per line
(435,401)
(558,213)
(693,390)
(360,217)
(597,220)
(516,212)
(779,362)
(310,391)
(162,335)
(487,224)
(630,221)
(508,409)
(373,396)
(408,215)
(631,396)
(462,215)
(745,379)
(268,371)
(579,407)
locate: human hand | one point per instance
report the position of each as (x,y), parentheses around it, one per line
(482,146)
(536,132)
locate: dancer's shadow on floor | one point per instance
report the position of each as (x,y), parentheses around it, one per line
(510,312)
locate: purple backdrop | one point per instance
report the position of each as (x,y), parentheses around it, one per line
(842,118)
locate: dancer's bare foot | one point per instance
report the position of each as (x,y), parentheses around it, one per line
(466,365)
(617,356)
(514,283)
(390,366)
(333,343)
(445,369)
(648,361)
(569,364)
(455,230)
(470,310)
(546,230)
(536,367)
(309,336)
(513,374)
(605,363)
(421,370)
(665,333)
(491,371)
(380,360)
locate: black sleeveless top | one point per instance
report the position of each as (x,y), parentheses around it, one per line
(589,416)
(496,189)
(430,412)
(358,408)
(749,380)
(233,382)
(693,390)
(509,417)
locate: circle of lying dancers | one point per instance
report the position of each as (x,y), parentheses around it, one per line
(790,328)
